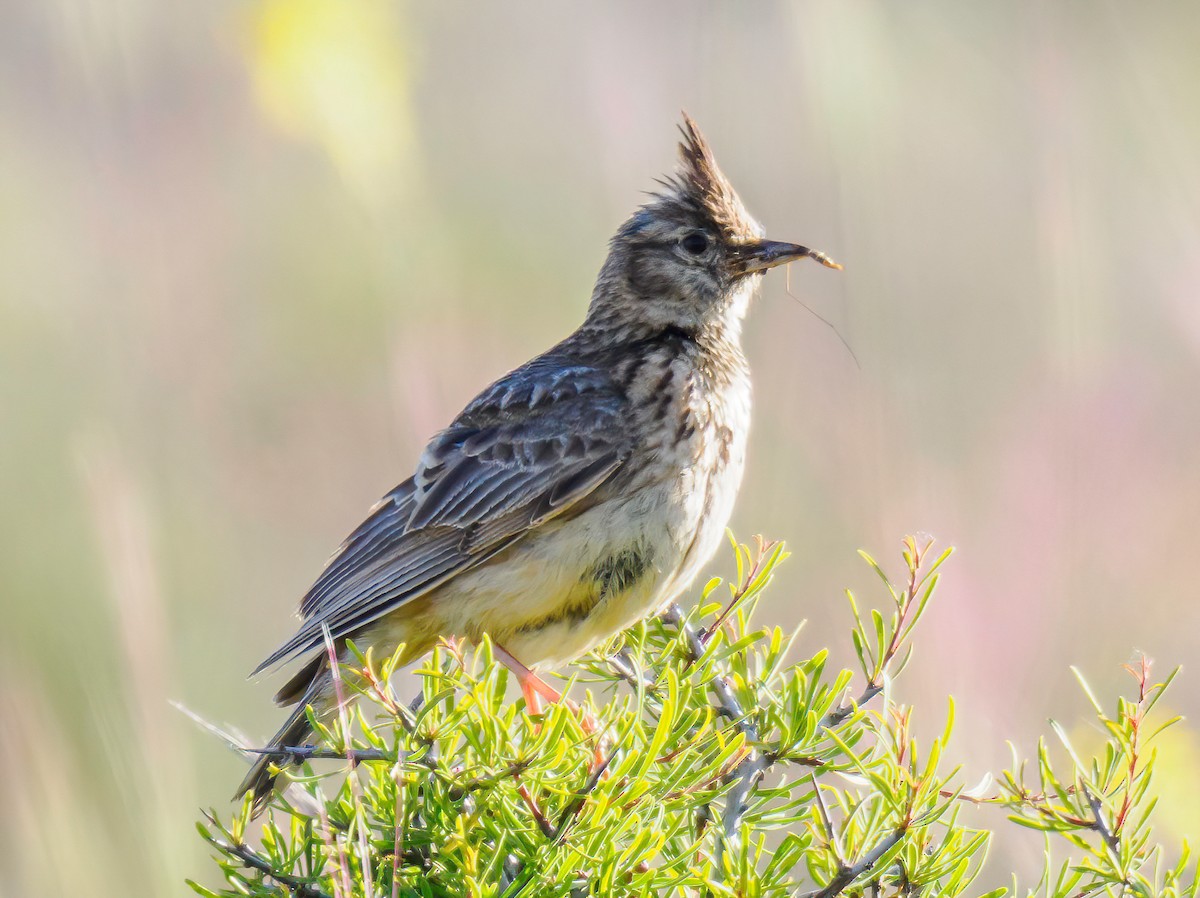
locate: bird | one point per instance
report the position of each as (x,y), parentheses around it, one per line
(579,493)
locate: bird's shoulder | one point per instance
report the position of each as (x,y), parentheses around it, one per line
(543,432)
(554,383)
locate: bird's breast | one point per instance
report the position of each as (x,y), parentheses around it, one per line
(710,413)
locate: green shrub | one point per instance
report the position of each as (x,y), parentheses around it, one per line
(724,769)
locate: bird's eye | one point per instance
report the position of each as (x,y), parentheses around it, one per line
(695,243)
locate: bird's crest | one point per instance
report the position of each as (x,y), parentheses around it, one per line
(699,182)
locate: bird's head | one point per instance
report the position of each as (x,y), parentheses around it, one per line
(692,256)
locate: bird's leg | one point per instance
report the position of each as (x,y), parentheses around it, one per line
(530,684)
(534,688)
(533,699)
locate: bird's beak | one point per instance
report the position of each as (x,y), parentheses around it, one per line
(764,254)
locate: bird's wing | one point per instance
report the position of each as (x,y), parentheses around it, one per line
(530,448)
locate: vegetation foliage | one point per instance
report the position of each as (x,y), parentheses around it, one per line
(718,767)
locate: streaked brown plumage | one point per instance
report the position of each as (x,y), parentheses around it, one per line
(581,491)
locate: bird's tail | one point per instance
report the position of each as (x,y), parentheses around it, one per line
(313,685)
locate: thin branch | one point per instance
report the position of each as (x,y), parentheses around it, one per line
(571,811)
(539,817)
(748,775)
(341,888)
(302,753)
(840,713)
(722,776)
(255,861)
(813,761)
(622,665)
(908,599)
(1106,833)
(750,771)
(763,549)
(397,829)
(728,706)
(516,768)
(847,875)
(827,822)
(381,690)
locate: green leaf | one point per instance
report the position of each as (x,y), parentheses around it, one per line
(486,799)
(200,890)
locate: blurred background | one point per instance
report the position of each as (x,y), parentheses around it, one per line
(252,254)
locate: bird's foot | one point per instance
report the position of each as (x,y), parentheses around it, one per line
(535,690)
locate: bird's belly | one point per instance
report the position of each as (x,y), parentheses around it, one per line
(554,641)
(566,588)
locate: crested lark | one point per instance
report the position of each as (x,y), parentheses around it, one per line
(578,493)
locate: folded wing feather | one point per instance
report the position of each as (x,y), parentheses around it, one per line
(530,448)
